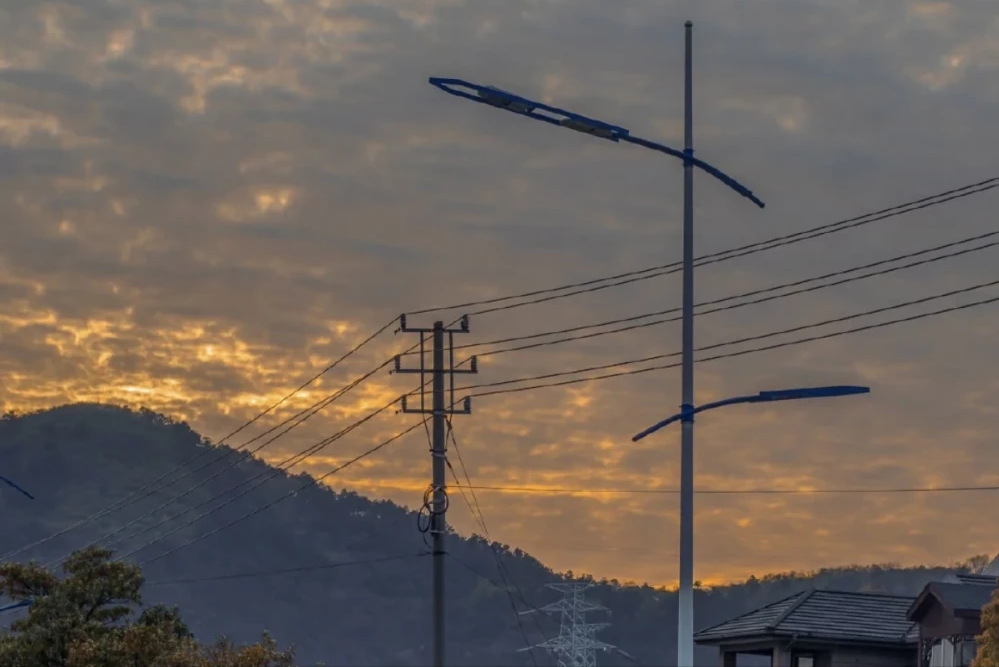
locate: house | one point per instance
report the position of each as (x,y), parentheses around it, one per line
(821,628)
(949,617)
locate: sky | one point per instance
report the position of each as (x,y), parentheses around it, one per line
(208,201)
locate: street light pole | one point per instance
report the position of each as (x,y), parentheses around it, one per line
(685,626)
(552,115)
(685,618)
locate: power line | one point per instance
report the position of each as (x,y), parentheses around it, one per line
(284,465)
(503,585)
(744,352)
(733,297)
(720,256)
(147,489)
(480,518)
(743,340)
(290,570)
(733,492)
(477,509)
(877,325)
(705,262)
(315,409)
(266,475)
(312,482)
(523,601)
(765,299)
(741,251)
(262,478)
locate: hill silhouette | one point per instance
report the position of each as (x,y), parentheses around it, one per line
(78,459)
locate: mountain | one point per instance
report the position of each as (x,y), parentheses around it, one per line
(78,459)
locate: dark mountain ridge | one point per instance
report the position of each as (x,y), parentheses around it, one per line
(78,459)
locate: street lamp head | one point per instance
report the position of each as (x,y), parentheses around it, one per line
(812,392)
(504,100)
(590,127)
(501,99)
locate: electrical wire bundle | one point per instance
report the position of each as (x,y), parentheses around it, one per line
(272,434)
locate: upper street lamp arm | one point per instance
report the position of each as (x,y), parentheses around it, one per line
(501,99)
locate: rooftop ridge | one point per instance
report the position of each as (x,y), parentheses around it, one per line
(865,594)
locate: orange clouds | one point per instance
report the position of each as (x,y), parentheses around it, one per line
(207,204)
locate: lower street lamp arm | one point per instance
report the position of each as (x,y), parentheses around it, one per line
(762,397)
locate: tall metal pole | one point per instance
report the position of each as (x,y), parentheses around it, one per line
(685,623)
(438,524)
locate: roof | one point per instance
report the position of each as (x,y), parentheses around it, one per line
(974,579)
(961,599)
(819,614)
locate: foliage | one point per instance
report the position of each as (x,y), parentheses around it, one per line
(78,459)
(84,619)
(988,641)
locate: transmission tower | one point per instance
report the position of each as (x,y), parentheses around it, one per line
(576,644)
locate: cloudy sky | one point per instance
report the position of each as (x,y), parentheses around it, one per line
(206,201)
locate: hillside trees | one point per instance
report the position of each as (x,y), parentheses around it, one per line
(88,619)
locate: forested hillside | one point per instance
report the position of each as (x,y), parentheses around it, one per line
(77,459)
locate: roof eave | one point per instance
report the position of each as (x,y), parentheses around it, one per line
(758,637)
(748,636)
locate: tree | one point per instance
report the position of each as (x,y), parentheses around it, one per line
(977,564)
(86,619)
(224,654)
(988,641)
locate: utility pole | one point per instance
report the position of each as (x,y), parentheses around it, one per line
(435,500)
(576,644)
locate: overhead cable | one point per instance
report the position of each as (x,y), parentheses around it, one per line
(739,353)
(261,478)
(628,277)
(741,304)
(313,410)
(733,492)
(148,489)
(476,510)
(312,482)
(288,570)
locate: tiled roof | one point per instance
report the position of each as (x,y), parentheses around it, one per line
(961,597)
(832,615)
